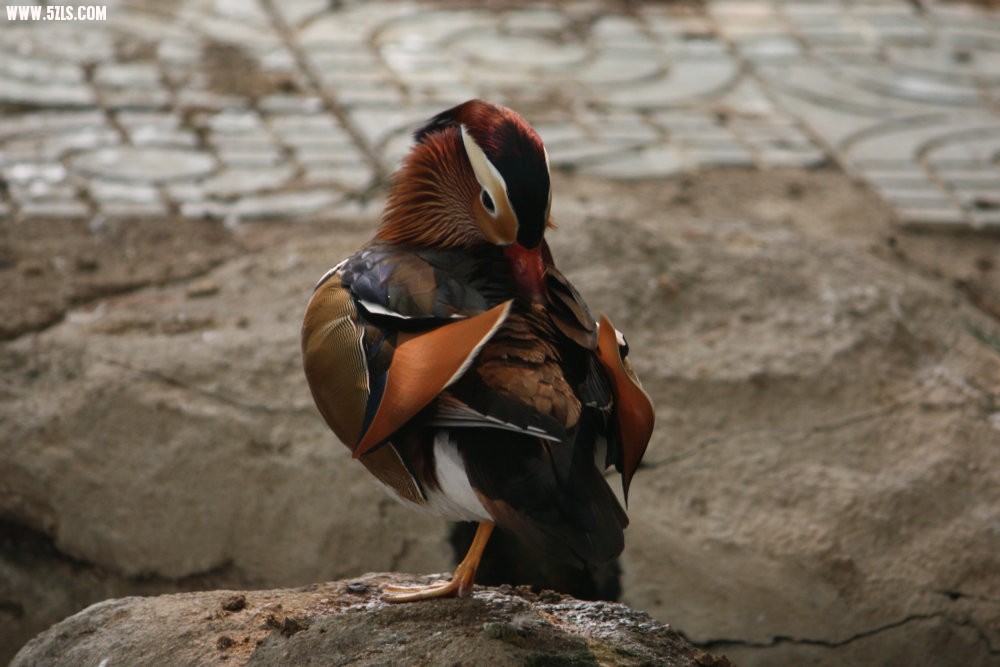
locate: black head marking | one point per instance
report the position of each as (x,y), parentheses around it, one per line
(517,152)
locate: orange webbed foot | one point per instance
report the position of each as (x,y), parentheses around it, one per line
(461,582)
(455,588)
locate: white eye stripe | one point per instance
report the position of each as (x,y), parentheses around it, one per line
(488,175)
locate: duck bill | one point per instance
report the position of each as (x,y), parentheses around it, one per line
(528,268)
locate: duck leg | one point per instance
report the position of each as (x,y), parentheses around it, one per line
(461,582)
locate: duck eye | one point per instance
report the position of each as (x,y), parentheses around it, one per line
(488,202)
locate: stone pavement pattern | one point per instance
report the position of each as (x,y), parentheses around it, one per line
(130,118)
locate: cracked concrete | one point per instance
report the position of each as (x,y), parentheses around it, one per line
(856,649)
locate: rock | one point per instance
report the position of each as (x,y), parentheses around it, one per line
(48,267)
(346,622)
(825,467)
(823,483)
(160,443)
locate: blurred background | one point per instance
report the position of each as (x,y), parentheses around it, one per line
(790,207)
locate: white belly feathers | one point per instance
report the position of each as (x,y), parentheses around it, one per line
(454,500)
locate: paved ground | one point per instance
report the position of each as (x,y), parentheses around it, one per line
(139,116)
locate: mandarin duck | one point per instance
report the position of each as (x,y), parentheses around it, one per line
(462,369)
